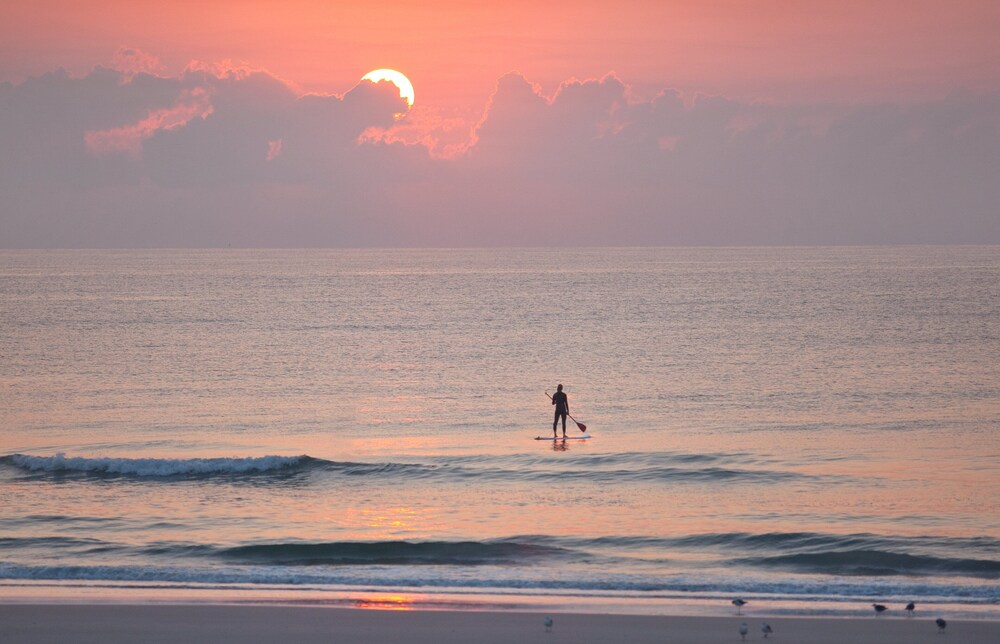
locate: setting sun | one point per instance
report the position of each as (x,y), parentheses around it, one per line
(394,77)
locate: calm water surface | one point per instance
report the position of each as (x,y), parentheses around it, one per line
(812,429)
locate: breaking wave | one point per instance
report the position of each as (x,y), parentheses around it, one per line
(668,468)
(877,563)
(465,553)
(156,467)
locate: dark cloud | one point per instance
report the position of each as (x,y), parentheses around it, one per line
(221,156)
(716,171)
(259,130)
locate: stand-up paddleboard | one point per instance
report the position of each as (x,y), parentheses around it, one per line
(562,438)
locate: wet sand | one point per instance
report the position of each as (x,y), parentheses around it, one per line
(194,624)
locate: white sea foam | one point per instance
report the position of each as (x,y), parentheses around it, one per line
(824,596)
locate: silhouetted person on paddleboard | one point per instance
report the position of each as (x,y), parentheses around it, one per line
(561,402)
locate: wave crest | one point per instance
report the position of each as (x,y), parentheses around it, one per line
(168,468)
(877,563)
(156,467)
(410,553)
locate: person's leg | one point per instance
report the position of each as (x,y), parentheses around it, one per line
(564,425)
(555,423)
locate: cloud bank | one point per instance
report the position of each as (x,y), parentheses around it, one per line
(228,156)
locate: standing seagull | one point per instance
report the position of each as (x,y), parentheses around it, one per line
(879,608)
(941,624)
(766,629)
(548,624)
(744,629)
(910,608)
(739,603)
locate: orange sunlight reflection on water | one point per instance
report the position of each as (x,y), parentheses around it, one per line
(386,602)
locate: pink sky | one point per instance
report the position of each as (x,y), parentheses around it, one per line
(674,115)
(454,51)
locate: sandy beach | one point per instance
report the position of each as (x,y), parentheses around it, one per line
(193,624)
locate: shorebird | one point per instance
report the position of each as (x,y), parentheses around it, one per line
(910,608)
(548,624)
(941,624)
(766,629)
(739,603)
(879,608)
(744,629)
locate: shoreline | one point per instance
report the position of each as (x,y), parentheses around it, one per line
(31,623)
(415,599)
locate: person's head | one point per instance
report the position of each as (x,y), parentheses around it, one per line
(559,388)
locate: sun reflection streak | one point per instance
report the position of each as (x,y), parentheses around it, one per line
(386,602)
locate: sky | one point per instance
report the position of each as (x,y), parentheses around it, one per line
(676,122)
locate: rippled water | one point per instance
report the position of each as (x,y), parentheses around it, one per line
(813,429)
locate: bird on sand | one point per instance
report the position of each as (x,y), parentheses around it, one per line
(940,624)
(879,608)
(766,629)
(548,624)
(739,603)
(744,629)
(910,608)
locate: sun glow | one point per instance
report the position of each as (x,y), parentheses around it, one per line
(394,77)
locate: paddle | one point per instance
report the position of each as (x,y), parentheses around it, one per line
(582,427)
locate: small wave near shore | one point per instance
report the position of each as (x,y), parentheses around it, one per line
(647,468)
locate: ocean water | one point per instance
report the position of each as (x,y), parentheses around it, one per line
(811,429)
